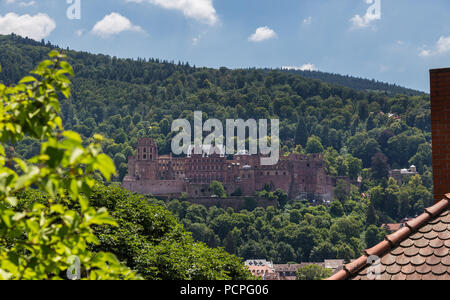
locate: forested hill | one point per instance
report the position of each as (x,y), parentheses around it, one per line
(357,83)
(125,99)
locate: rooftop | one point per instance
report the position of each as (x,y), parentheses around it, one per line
(418,251)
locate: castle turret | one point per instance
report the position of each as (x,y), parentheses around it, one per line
(147,150)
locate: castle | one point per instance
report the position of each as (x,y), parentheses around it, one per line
(301,176)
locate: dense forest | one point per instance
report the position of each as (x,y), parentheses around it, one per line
(363,131)
(150,240)
(356,82)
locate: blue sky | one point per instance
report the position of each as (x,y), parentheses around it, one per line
(398,43)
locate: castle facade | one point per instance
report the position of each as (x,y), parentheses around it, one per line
(301,176)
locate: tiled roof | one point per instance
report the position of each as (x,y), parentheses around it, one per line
(418,251)
(286,267)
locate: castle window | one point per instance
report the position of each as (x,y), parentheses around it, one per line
(145,150)
(145,156)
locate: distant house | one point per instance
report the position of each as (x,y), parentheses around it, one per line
(269,271)
(287,271)
(401,174)
(395,227)
(261,268)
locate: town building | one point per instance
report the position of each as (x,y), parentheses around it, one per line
(401,174)
(300,176)
(269,271)
(393,227)
(261,268)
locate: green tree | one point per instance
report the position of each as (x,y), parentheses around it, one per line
(314,145)
(151,240)
(217,189)
(48,239)
(301,135)
(363,110)
(374,235)
(313,272)
(336,209)
(354,167)
(342,167)
(380,166)
(340,191)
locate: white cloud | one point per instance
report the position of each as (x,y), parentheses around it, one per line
(307,21)
(197,39)
(22,3)
(362,22)
(373,13)
(79,32)
(113,24)
(442,47)
(424,53)
(35,27)
(305,67)
(200,10)
(262,34)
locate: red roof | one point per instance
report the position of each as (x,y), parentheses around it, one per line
(418,251)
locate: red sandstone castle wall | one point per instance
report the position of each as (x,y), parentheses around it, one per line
(155,187)
(161,175)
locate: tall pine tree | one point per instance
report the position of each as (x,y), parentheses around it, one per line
(301,136)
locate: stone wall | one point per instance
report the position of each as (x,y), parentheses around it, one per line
(159,187)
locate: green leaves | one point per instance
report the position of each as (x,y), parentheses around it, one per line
(27,79)
(42,243)
(67,68)
(105,165)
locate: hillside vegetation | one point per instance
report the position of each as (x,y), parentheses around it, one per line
(362,134)
(126,99)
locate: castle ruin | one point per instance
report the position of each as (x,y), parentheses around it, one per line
(300,176)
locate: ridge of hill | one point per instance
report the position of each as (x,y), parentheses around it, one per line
(358,83)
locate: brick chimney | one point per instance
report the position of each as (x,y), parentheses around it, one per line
(440,123)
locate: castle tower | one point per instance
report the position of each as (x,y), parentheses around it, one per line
(147,150)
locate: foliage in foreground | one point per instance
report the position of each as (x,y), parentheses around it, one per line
(152,242)
(44,241)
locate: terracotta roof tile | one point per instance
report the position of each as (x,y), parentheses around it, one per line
(418,251)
